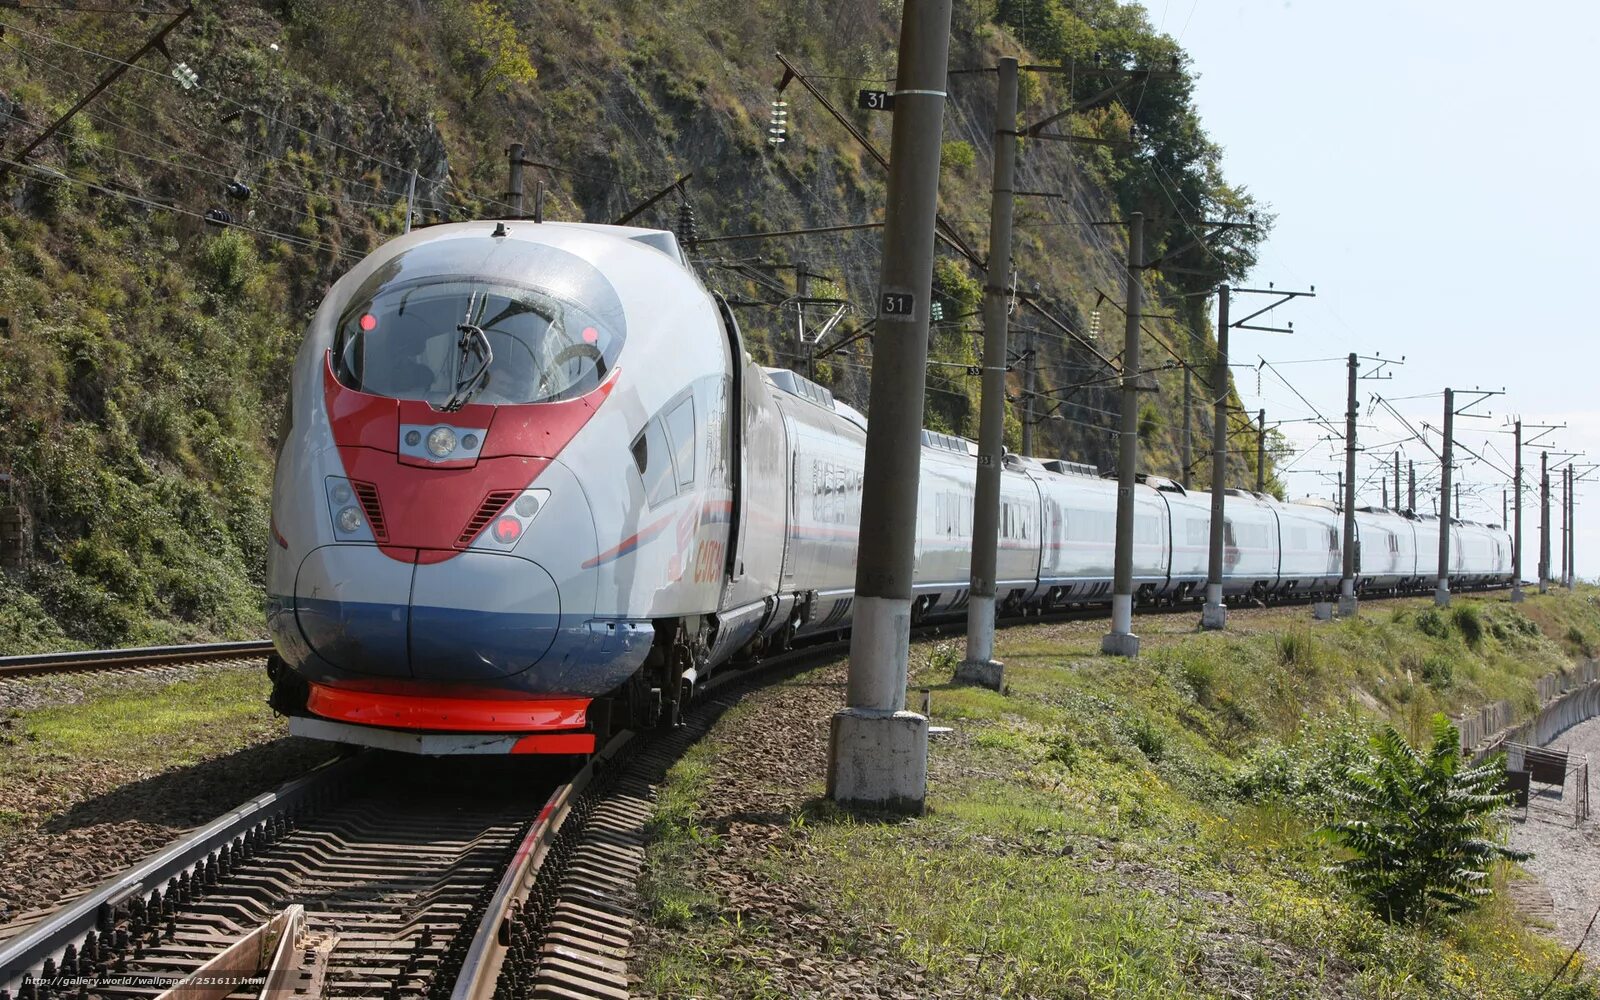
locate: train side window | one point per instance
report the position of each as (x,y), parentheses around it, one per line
(654,462)
(680,426)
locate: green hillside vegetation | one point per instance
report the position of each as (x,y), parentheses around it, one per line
(1141,828)
(144,353)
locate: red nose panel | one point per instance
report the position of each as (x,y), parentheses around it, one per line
(438,508)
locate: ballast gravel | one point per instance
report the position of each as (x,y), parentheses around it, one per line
(1566,853)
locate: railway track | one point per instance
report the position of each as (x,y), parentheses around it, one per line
(392,867)
(143,659)
(409,878)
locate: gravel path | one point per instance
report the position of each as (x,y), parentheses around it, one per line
(1566,855)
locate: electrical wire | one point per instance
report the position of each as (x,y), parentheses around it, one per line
(373,157)
(51,175)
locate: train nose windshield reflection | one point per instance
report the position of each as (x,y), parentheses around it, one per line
(405,343)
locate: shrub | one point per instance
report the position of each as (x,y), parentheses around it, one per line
(229,260)
(1302,773)
(1296,648)
(1469,623)
(1438,671)
(1152,742)
(959,155)
(1433,624)
(1421,827)
(1063,749)
(1580,641)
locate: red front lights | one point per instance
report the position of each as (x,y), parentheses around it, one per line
(590,335)
(369,322)
(507,530)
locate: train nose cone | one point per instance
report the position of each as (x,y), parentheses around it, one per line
(481,615)
(350,602)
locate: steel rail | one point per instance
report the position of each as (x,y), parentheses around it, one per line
(133,657)
(261,818)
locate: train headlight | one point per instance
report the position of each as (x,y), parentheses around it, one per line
(441,442)
(349,520)
(346,510)
(506,530)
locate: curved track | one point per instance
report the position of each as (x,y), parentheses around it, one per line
(417,878)
(137,658)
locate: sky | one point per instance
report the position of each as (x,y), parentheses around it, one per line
(1431,166)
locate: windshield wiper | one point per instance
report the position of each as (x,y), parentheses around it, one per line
(473,343)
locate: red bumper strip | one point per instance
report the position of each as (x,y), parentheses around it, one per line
(462,715)
(555,743)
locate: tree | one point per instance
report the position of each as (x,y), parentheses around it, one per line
(1421,828)
(489,37)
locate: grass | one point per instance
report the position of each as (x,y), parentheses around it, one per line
(136,728)
(1115,828)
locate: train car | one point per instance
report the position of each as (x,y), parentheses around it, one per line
(1189,521)
(532,489)
(481,522)
(1252,552)
(1387,550)
(1079,527)
(1313,547)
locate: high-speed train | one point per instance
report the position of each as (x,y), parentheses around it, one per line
(532,489)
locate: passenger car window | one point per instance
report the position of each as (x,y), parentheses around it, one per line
(680,426)
(654,461)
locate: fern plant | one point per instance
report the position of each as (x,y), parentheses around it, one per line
(1420,827)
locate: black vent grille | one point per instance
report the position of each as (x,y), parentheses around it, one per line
(492,505)
(368,495)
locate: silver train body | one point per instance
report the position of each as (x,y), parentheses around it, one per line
(532,488)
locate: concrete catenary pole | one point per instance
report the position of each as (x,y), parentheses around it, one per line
(1411,484)
(1261,452)
(1566,495)
(878,752)
(1213,614)
(514,187)
(1572,534)
(980,666)
(1397,479)
(1516,512)
(1457,508)
(1347,584)
(1441,593)
(1121,641)
(1188,426)
(1544,521)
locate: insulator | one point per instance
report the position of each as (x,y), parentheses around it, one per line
(238,191)
(687,233)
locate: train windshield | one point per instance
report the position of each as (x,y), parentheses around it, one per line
(451,341)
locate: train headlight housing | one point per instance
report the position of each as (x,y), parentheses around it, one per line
(350,522)
(508,527)
(441,442)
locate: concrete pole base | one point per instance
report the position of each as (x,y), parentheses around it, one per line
(1517,596)
(1348,606)
(878,760)
(1214,616)
(1120,644)
(984,673)
(1322,611)
(1441,595)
